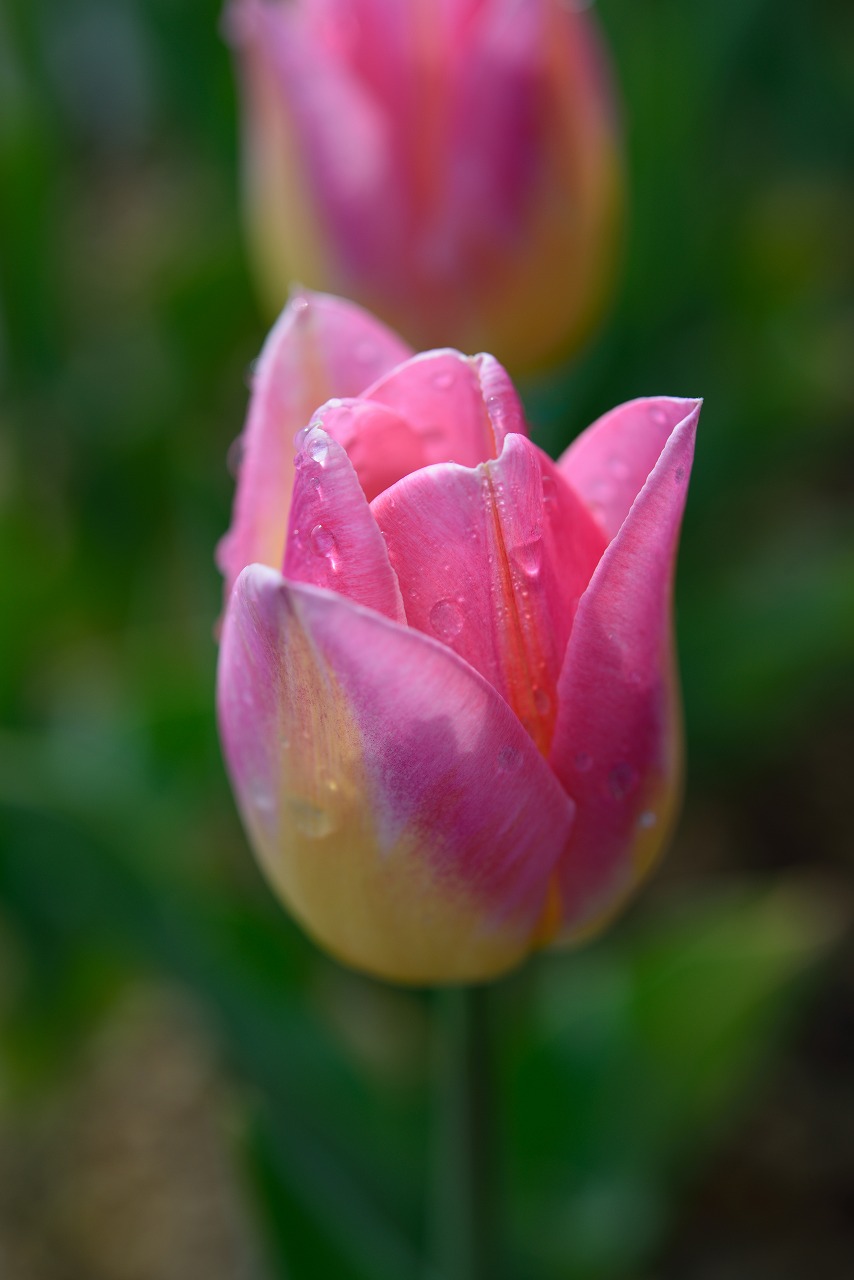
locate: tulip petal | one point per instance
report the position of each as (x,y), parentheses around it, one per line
(392,797)
(492,560)
(462,407)
(346,140)
(609,463)
(616,745)
(333,540)
(381,445)
(321,346)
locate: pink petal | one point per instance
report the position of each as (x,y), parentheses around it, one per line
(333,540)
(492,561)
(346,137)
(321,346)
(392,797)
(616,746)
(382,446)
(609,463)
(462,407)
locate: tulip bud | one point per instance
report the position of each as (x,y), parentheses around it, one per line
(448,702)
(453,166)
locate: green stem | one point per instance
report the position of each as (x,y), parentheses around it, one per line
(463,1172)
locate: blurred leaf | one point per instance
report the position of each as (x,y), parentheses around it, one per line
(317,1221)
(635,1060)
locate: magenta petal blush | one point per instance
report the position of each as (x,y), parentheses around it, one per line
(447,689)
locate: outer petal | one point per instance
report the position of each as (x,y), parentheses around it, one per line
(609,463)
(492,561)
(333,540)
(321,346)
(393,798)
(462,407)
(616,746)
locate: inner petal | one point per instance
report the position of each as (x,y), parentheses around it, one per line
(380,443)
(492,560)
(461,407)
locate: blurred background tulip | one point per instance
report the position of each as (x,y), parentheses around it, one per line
(454,165)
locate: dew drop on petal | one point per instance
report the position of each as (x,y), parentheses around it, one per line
(542,701)
(549,489)
(443,381)
(446,619)
(310,819)
(261,796)
(434,435)
(322,541)
(618,467)
(317,447)
(658,416)
(529,556)
(622,780)
(647,820)
(234,457)
(509,758)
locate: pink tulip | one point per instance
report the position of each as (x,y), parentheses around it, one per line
(448,703)
(452,164)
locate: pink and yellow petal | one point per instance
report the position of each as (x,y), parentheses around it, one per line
(617,747)
(320,347)
(394,800)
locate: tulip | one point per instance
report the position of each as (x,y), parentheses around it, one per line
(451,164)
(449,707)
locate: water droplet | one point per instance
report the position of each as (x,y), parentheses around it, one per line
(679,475)
(509,758)
(621,780)
(549,489)
(542,701)
(322,541)
(234,457)
(529,556)
(443,381)
(618,467)
(583,762)
(659,416)
(317,446)
(647,820)
(310,819)
(299,438)
(261,796)
(434,435)
(446,619)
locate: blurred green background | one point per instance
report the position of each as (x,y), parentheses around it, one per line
(187,1089)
